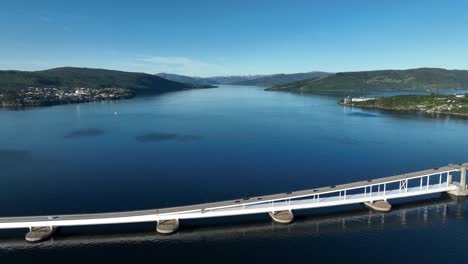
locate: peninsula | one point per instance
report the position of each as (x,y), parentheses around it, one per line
(66,85)
(456,104)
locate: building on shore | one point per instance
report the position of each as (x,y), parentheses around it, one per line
(362,99)
(350,100)
(347,100)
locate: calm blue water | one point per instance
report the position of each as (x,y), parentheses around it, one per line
(207,145)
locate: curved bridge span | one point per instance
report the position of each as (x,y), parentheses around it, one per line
(425,182)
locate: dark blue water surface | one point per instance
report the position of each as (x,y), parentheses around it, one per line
(214,144)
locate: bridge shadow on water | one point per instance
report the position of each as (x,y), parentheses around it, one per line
(352,219)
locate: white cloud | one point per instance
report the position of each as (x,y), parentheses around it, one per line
(180,65)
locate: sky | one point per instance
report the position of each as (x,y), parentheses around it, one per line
(223,37)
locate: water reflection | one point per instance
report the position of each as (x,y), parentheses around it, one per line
(362,114)
(163,136)
(88,132)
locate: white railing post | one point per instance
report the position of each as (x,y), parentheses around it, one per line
(463,178)
(427,185)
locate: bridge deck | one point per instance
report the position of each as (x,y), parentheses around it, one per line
(243,206)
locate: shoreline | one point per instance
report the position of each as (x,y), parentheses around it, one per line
(19,107)
(128,94)
(30,107)
(405,110)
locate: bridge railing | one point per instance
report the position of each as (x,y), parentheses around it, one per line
(377,190)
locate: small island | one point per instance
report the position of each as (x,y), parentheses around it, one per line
(453,104)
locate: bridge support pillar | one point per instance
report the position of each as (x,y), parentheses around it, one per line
(461,186)
(283,217)
(381,206)
(38,234)
(167,226)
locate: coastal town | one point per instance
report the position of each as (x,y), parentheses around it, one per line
(34,96)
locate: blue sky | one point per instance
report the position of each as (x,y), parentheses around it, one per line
(216,37)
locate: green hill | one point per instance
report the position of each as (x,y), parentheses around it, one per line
(414,79)
(70,77)
(20,89)
(279,79)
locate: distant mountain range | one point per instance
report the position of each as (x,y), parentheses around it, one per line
(208,80)
(186,79)
(71,77)
(279,79)
(234,78)
(246,80)
(413,79)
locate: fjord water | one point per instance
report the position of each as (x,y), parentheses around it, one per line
(230,142)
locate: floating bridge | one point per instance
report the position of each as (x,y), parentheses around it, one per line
(373,193)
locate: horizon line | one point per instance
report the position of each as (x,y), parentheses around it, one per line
(233,75)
